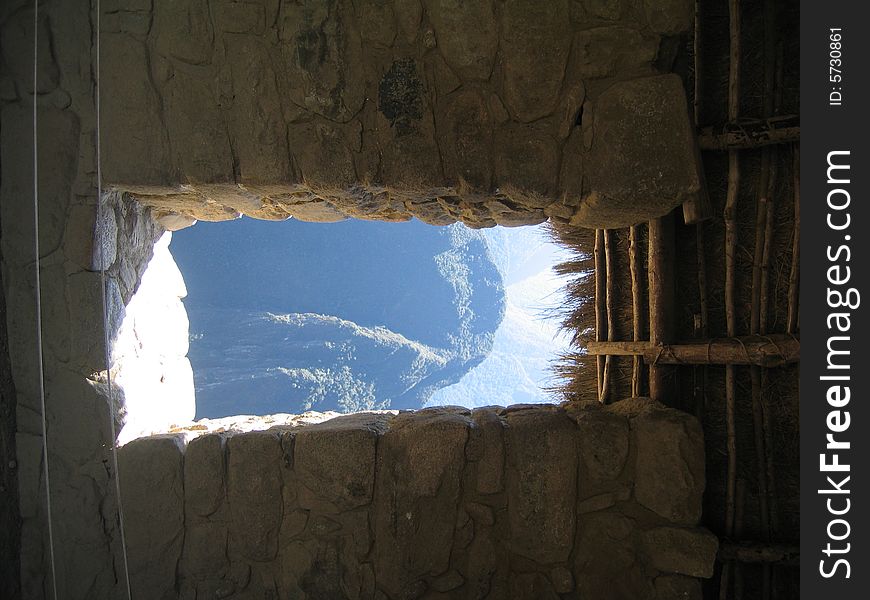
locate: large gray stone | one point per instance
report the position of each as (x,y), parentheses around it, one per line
(130,111)
(604,440)
(254,466)
(205,551)
(466,34)
(642,163)
(669,471)
(490,465)
(322,58)
(681,550)
(204,474)
(152,492)
(420,463)
(669,17)
(336,459)
(531,586)
(606,563)
(678,587)
(537,38)
(541,464)
(604,51)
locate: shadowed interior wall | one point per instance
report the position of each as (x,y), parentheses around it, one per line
(497,112)
(494,112)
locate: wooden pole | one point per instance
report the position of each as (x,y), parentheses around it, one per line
(768,351)
(760,553)
(637,314)
(600,333)
(730,256)
(738,533)
(700,375)
(773,73)
(794,276)
(747,134)
(661,301)
(764,299)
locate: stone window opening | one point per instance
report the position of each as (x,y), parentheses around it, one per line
(154,377)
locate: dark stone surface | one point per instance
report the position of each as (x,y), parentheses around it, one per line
(333,108)
(153,499)
(209,110)
(380,505)
(541,473)
(10,517)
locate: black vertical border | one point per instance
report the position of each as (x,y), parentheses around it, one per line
(826,128)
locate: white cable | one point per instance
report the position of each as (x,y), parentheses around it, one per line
(40,362)
(101,258)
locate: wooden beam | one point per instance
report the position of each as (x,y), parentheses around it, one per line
(636,348)
(743,134)
(760,553)
(772,350)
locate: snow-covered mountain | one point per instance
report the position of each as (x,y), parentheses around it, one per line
(517,368)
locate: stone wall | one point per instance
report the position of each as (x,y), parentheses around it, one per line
(490,112)
(501,112)
(527,503)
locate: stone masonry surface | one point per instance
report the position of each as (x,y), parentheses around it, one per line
(493,112)
(527,502)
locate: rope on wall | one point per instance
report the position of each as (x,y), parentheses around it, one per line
(39,351)
(103,287)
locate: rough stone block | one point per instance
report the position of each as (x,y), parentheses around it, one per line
(562,580)
(183,30)
(135,141)
(322,60)
(152,491)
(604,439)
(86,322)
(466,34)
(531,586)
(336,459)
(678,587)
(490,467)
(605,9)
(254,466)
(204,474)
(681,550)
(526,165)
(408,14)
(205,550)
(669,17)
(642,163)
(420,463)
(603,51)
(541,483)
(537,39)
(256,126)
(58,151)
(240,17)
(669,471)
(606,564)
(197,132)
(465,133)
